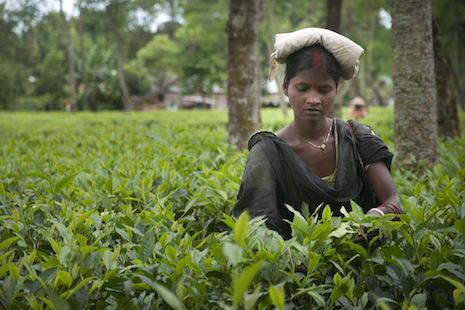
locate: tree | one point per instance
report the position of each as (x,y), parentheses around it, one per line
(448,119)
(100,62)
(244,87)
(361,22)
(69,54)
(117,10)
(333,16)
(333,22)
(202,42)
(85,95)
(161,56)
(450,17)
(415,117)
(13,75)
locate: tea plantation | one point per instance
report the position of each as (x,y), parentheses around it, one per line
(116,211)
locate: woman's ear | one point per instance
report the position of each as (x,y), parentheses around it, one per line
(285,87)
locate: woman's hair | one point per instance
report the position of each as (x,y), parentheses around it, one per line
(312,57)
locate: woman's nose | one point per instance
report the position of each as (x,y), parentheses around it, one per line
(313,96)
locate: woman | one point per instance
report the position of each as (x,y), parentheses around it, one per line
(315,159)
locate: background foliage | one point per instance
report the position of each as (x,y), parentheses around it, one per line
(111,211)
(179,43)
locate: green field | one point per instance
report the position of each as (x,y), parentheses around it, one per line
(133,211)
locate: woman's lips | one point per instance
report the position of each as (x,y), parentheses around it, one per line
(312,110)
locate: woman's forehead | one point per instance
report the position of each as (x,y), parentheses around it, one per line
(313,77)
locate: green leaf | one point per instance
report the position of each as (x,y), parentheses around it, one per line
(147,244)
(358,248)
(7,242)
(63,182)
(341,231)
(406,266)
(460,226)
(326,214)
(157,182)
(38,174)
(317,297)
(171,253)
(418,189)
(48,303)
(62,230)
(14,272)
(107,259)
(458,296)
(106,202)
(299,222)
(313,263)
(233,252)
(419,300)
(171,299)
(180,193)
(69,293)
(381,302)
(305,210)
(455,283)
(59,302)
(243,282)
(65,277)
(83,217)
(240,231)
(435,241)
(277,296)
(164,239)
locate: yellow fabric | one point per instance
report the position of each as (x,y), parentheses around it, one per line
(330,179)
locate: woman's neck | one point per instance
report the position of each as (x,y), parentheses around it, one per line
(313,131)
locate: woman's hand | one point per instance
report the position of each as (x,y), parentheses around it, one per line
(367,237)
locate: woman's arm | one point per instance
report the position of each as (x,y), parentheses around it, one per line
(385,190)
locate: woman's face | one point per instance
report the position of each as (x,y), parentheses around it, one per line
(311,93)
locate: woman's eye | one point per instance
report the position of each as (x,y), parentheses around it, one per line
(302,90)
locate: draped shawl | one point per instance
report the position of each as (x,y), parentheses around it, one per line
(275,175)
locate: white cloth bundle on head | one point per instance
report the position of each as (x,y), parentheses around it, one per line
(346,52)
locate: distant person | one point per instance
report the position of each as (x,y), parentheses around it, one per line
(357,108)
(315,159)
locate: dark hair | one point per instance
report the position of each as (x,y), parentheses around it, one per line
(310,57)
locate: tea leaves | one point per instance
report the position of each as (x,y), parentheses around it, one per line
(113,211)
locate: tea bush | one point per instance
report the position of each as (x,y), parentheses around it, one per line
(114,211)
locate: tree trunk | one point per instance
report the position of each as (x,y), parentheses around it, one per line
(458,86)
(127,102)
(244,87)
(333,22)
(85,100)
(71,68)
(448,119)
(415,118)
(282,96)
(333,16)
(271,21)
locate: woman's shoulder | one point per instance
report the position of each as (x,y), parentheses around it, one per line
(260,136)
(360,129)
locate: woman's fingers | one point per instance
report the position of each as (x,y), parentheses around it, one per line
(366,237)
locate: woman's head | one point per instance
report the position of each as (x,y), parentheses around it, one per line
(336,53)
(309,58)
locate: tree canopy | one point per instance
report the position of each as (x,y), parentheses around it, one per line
(156,45)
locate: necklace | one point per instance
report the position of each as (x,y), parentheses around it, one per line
(323,146)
